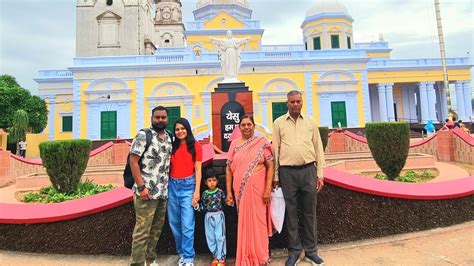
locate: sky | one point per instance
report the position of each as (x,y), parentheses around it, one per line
(40,34)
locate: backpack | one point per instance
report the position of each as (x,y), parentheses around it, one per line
(128,180)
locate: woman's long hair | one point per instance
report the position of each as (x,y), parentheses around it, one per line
(190,140)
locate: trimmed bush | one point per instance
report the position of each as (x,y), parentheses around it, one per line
(65,162)
(324,132)
(389,143)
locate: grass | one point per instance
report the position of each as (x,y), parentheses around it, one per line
(410,177)
(50,195)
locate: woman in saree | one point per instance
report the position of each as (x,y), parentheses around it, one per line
(249,176)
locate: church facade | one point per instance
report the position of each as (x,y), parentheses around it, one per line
(132,55)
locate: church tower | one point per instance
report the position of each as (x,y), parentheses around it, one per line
(169,27)
(114,27)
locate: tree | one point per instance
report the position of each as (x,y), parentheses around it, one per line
(13,97)
(8,81)
(37,113)
(389,144)
(17,132)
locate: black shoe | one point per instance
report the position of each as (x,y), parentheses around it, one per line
(314,259)
(292,261)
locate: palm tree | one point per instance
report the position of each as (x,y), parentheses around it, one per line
(17,131)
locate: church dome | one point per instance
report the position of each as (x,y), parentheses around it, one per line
(327,6)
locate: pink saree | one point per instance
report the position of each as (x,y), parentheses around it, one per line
(254,221)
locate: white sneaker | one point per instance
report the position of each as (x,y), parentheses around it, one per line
(180,262)
(189,264)
(154,263)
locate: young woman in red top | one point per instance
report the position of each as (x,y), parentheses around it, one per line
(183,189)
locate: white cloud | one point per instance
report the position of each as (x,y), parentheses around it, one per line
(40,34)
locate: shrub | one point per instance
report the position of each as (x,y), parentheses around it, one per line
(426,174)
(380,176)
(324,132)
(65,162)
(49,194)
(389,144)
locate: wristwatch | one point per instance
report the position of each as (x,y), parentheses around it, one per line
(141,188)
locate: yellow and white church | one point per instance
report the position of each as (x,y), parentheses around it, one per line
(132,55)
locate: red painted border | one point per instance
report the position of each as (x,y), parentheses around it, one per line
(54,212)
(355,136)
(464,136)
(427,191)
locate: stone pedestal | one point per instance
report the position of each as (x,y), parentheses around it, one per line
(120,153)
(230,102)
(445,145)
(4,167)
(337,142)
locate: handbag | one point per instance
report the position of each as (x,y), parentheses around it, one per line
(277,209)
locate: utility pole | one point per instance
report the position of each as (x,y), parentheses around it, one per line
(451,112)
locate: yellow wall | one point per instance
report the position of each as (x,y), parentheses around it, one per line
(397,97)
(376,54)
(32,144)
(3,140)
(417,76)
(63,104)
(217,22)
(332,26)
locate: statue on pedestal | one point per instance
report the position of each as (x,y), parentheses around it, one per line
(229,50)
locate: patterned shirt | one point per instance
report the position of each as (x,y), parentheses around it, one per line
(212,201)
(155,165)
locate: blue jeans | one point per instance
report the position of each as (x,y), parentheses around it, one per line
(181,215)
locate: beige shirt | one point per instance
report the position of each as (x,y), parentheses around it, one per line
(297,143)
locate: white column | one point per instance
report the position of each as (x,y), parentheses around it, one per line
(467,100)
(444,102)
(189,104)
(389,97)
(423,102)
(431,101)
(461,109)
(51,117)
(382,102)
(206,100)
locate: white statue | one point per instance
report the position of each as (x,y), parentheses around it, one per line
(229,51)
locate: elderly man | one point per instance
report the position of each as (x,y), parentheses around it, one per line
(299,161)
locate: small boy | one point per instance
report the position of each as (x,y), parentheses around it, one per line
(212,201)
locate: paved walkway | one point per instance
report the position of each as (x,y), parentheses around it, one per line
(443,246)
(448,172)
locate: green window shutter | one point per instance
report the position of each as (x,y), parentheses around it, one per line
(108,125)
(338,113)
(279,109)
(335,41)
(174,113)
(67,124)
(349,45)
(317,43)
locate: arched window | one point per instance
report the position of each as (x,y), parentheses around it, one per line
(110,2)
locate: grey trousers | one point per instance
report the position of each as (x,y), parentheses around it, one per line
(299,186)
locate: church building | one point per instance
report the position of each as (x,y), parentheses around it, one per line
(132,55)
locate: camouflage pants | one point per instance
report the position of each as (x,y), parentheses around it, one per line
(150,216)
